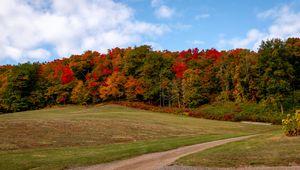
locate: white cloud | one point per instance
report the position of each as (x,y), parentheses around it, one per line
(253,36)
(285,23)
(37,29)
(38,53)
(161,10)
(13,52)
(156,3)
(202,16)
(164,12)
(267,13)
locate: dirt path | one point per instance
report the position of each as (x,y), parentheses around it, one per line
(159,160)
(244,168)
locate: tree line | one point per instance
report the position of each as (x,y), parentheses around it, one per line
(189,78)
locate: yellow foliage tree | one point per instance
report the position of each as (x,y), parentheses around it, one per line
(113,87)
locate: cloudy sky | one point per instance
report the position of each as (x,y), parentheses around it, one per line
(43,30)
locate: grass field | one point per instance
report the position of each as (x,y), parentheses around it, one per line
(71,136)
(270,149)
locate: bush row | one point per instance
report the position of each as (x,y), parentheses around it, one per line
(227,111)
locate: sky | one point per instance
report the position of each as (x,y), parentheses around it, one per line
(44,30)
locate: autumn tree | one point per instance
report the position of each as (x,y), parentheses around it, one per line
(246,76)
(134,60)
(67,75)
(21,82)
(80,94)
(194,94)
(83,64)
(4,71)
(226,74)
(133,89)
(178,68)
(117,58)
(113,87)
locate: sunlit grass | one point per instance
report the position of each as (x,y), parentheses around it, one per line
(270,149)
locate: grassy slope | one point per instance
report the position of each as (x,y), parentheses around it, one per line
(75,135)
(270,149)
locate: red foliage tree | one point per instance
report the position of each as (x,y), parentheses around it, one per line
(182,54)
(67,75)
(236,52)
(195,53)
(178,69)
(213,54)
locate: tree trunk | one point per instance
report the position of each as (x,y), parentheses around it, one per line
(160,96)
(163,98)
(281,108)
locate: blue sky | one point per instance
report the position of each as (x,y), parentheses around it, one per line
(43,30)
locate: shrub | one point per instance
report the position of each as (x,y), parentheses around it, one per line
(228,111)
(291,125)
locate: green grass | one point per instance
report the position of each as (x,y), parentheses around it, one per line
(270,149)
(67,157)
(73,136)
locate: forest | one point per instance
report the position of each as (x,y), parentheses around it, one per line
(186,79)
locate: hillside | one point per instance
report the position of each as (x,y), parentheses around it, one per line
(73,136)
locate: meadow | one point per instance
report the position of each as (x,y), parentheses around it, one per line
(72,136)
